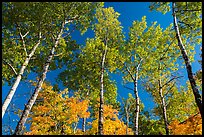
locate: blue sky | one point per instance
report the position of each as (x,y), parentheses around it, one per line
(129,11)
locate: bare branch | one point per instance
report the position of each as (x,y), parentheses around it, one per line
(70,32)
(128,88)
(192,10)
(185,24)
(129,72)
(122,99)
(139,63)
(137,68)
(13,69)
(169,89)
(171,80)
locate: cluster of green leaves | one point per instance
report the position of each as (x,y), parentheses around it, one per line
(27,17)
(87,65)
(189,17)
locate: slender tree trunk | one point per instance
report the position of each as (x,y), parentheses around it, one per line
(30,103)
(84,125)
(137,107)
(126,109)
(137,101)
(163,108)
(100,120)
(127,117)
(62,130)
(187,62)
(75,127)
(18,78)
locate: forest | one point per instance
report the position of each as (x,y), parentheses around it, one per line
(100,84)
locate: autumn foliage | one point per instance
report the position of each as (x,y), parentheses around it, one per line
(191,126)
(56,114)
(112,124)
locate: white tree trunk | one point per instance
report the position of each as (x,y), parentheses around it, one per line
(100,120)
(163,104)
(18,78)
(187,62)
(30,103)
(137,101)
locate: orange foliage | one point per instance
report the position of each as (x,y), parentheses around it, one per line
(55,114)
(191,126)
(112,125)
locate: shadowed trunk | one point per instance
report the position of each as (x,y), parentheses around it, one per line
(126,109)
(187,62)
(18,78)
(84,125)
(163,104)
(127,117)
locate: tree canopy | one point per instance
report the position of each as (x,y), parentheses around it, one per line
(87,95)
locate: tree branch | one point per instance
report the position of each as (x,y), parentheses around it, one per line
(171,80)
(13,69)
(122,99)
(185,24)
(167,49)
(192,10)
(129,72)
(169,89)
(71,19)
(70,32)
(22,38)
(58,55)
(128,88)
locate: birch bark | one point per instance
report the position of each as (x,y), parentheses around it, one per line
(18,78)
(187,62)
(31,101)
(163,104)
(100,121)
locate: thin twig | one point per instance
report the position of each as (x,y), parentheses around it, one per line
(129,72)
(10,67)
(169,89)
(121,99)
(190,10)
(171,80)
(185,24)
(128,88)
(69,32)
